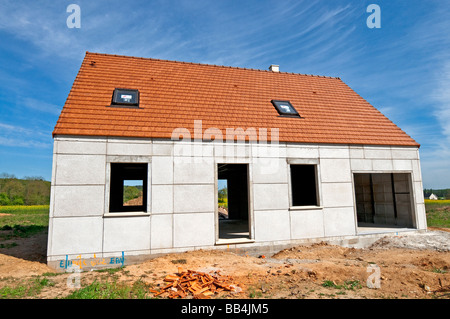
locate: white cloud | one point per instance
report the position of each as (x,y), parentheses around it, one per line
(442,96)
(19,142)
(18,136)
(41,106)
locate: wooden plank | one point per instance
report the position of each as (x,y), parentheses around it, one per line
(171,278)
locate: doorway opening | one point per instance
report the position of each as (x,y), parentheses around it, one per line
(233,203)
(384,200)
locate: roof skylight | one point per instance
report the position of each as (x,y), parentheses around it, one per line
(285,108)
(125,97)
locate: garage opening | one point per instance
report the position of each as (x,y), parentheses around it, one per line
(233,206)
(384,200)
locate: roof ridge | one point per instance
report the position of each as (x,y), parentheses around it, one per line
(211,65)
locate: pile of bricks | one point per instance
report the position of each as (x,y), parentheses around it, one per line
(197,284)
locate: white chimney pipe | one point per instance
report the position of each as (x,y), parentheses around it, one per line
(274,68)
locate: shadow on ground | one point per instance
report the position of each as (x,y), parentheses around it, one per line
(31,248)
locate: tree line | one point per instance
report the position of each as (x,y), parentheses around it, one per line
(31,190)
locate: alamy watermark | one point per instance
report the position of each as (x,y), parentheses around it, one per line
(74,280)
(74,19)
(373,281)
(259,145)
(374,19)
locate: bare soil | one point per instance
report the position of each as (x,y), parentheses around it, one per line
(411,267)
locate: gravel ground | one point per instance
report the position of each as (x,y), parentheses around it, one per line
(431,240)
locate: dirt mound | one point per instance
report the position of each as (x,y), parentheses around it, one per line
(316,251)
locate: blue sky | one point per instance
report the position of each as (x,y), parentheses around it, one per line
(402,68)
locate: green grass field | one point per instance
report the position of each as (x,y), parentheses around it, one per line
(438,213)
(22,221)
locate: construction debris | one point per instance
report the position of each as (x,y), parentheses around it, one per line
(199,285)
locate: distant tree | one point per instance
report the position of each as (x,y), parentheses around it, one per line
(37,192)
(7,176)
(17,201)
(130,192)
(4,199)
(223,195)
(15,190)
(34,178)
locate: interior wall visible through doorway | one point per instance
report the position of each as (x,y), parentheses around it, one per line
(384,199)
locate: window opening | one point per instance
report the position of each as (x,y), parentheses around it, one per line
(304,185)
(128,187)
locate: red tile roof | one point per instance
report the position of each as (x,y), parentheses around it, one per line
(175,94)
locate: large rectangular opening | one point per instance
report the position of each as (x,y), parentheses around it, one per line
(384,200)
(233,203)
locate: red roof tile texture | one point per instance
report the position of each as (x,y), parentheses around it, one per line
(175,94)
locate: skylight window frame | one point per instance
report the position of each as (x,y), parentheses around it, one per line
(115,102)
(278,103)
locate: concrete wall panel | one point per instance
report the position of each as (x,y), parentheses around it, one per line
(80,169)
(129,149)
(356,151)
(193,171)
(335,170)
(161,231)
(162,199)
(297,151)
(162,170)
(126,234)
(193,229)
(270,196)
(76,236)
(71,201)
(194,198)
(402,165)
(162,148)
(361,164)
(405,153)
(272,225)
(339,221)
(81,147)
(377,152)
(337,194)
(269,170)
(330,151)
(382,165)
(307,223)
